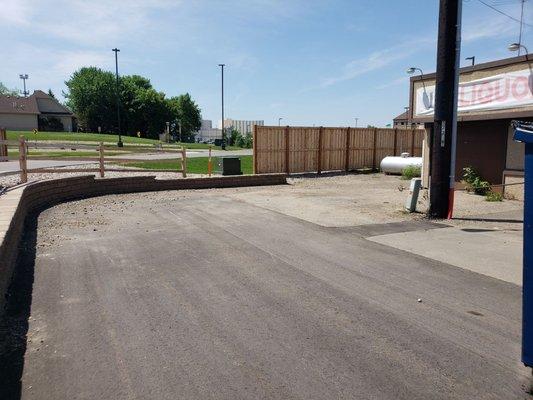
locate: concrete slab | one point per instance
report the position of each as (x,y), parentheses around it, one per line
(491,252)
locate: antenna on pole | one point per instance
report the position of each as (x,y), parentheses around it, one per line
(24,77)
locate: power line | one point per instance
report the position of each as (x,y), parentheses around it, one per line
(503,13)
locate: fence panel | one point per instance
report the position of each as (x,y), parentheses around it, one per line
(333,149)
(306,149)
(303,149)
(361,153)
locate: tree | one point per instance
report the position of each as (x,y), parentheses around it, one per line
(149,113)
(145,109)
(233,136)
(8,92)
(185,112)
(91,96)
(51,94)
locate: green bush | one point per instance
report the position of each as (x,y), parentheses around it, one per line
(494,196)
(474,182)
(411,172)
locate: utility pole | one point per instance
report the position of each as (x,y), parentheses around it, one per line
(119,144)
(445,119)
(521,26)
(223,132)
(25,93)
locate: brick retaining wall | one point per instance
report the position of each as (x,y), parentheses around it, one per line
(18,203)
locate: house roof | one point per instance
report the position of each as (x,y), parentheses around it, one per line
(38,103)
(18,105)
(401,117)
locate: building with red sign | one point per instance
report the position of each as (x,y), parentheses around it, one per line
(491,95)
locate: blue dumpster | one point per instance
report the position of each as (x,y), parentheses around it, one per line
(524,133)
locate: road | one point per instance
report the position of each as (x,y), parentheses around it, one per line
(10,167)
(190,154)
(200,296)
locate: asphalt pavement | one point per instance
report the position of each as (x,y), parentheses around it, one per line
(206,297)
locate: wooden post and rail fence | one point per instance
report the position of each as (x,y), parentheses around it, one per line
(23,146)
(317,149)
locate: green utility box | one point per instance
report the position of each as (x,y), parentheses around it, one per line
(230,166)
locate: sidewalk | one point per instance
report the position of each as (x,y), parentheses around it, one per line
(12,167)
(489,244)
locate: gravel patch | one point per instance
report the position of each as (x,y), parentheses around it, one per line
(14,179)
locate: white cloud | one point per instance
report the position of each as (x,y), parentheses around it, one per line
(377,60)
(89,23)
(14,12)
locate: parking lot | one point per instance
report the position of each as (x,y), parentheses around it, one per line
(272,292)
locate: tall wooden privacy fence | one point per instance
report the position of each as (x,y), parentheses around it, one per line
(302,149)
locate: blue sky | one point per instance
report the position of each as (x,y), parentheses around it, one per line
(309,62)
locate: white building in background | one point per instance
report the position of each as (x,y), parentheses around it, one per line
(243,126)
(207,133)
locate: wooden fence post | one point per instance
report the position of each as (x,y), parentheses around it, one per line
(184,161)
(347,161)
(395,141)
(413,142)
(319,161)
(209,165)
(374,149)
(287,151)
(22,160)
(3,146)
(101,159)
(254,149)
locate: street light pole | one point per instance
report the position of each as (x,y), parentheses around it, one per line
(223,132)
(119,144)
(356,120)
(24,77)
(279,121)
(473,59)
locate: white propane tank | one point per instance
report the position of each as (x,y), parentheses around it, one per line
(395,165)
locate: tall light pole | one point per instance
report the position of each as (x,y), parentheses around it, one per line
(473,59)
(356,120)
(119,144)
(279,121)
(223,132)
(24,77)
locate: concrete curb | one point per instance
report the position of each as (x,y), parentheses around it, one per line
(17,204)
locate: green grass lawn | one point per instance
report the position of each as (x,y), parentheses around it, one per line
(100,137)
(195,165)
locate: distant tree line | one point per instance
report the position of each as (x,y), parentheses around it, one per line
(236,138)
(91,95)
(8,92)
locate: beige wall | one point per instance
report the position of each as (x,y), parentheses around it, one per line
(18,122)
(515,152)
